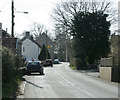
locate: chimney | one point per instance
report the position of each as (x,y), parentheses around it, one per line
(27,34)
(32,37)
(6,30)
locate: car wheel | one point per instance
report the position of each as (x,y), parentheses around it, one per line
(29,73)
(41,73)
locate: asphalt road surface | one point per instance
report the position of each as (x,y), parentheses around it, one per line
(60,81)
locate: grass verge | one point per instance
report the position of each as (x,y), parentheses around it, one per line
(73,67)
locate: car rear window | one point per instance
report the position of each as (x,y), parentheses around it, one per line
(56,60)
(33,64)
(48,61)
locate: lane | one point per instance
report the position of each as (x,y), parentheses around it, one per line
(92,86)
(63,82)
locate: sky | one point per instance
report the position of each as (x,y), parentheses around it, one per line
(38,11)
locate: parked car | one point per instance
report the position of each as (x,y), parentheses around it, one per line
(48,62)
(34,66)
(42,62)
(56,61)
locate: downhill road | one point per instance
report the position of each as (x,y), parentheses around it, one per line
(60,81)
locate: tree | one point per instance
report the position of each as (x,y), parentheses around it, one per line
(88,22)
(60,47)
(44,54)
(37,29)
(64,13)
(92,36)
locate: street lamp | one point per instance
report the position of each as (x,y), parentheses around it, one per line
(21,12)
(12,8)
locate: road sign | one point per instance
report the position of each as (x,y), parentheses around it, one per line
(48,46)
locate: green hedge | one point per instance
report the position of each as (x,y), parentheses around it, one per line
(11,75)
(77,63)
(8,64)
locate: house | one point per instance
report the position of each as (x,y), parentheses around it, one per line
(44,39)
(8,41)
(28,47)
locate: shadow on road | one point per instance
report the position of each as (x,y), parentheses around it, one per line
(34,84)
(35,74)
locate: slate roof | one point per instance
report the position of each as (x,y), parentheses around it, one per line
(43,38)
(5,34)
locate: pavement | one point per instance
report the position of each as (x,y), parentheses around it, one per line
(93,73)
(21,90)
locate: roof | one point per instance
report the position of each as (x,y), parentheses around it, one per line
(5,34)
(43,38)
(31,40)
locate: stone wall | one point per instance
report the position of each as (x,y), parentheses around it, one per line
(115,48)
(115,51)
(106,62)
(113,61)
(105,73)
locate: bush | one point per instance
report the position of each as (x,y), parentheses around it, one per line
(11,75)
(79,64)
(19,62)
(7,64)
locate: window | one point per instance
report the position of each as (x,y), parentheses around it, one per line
(23,49)
(34,49)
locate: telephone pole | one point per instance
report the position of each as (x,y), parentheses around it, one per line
(46,45)
(13,16)
(12,8)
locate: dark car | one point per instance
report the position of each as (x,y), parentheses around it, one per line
(34,66)
(48,62)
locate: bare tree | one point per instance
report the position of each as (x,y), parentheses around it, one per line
(37,29)
(64,13)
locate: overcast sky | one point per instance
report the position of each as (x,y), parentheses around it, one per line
(39,11)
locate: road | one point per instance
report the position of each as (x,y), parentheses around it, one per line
(60,81)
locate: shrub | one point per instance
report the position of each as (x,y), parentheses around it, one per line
(79,63)
(11,75)
(7,64)
(19,62)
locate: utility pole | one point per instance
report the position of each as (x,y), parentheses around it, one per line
(12,8)
(46,46)
(66,39)
(66,50)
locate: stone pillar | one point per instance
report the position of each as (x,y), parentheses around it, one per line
(115,50)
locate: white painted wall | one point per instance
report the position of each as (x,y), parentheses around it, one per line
(31,50)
